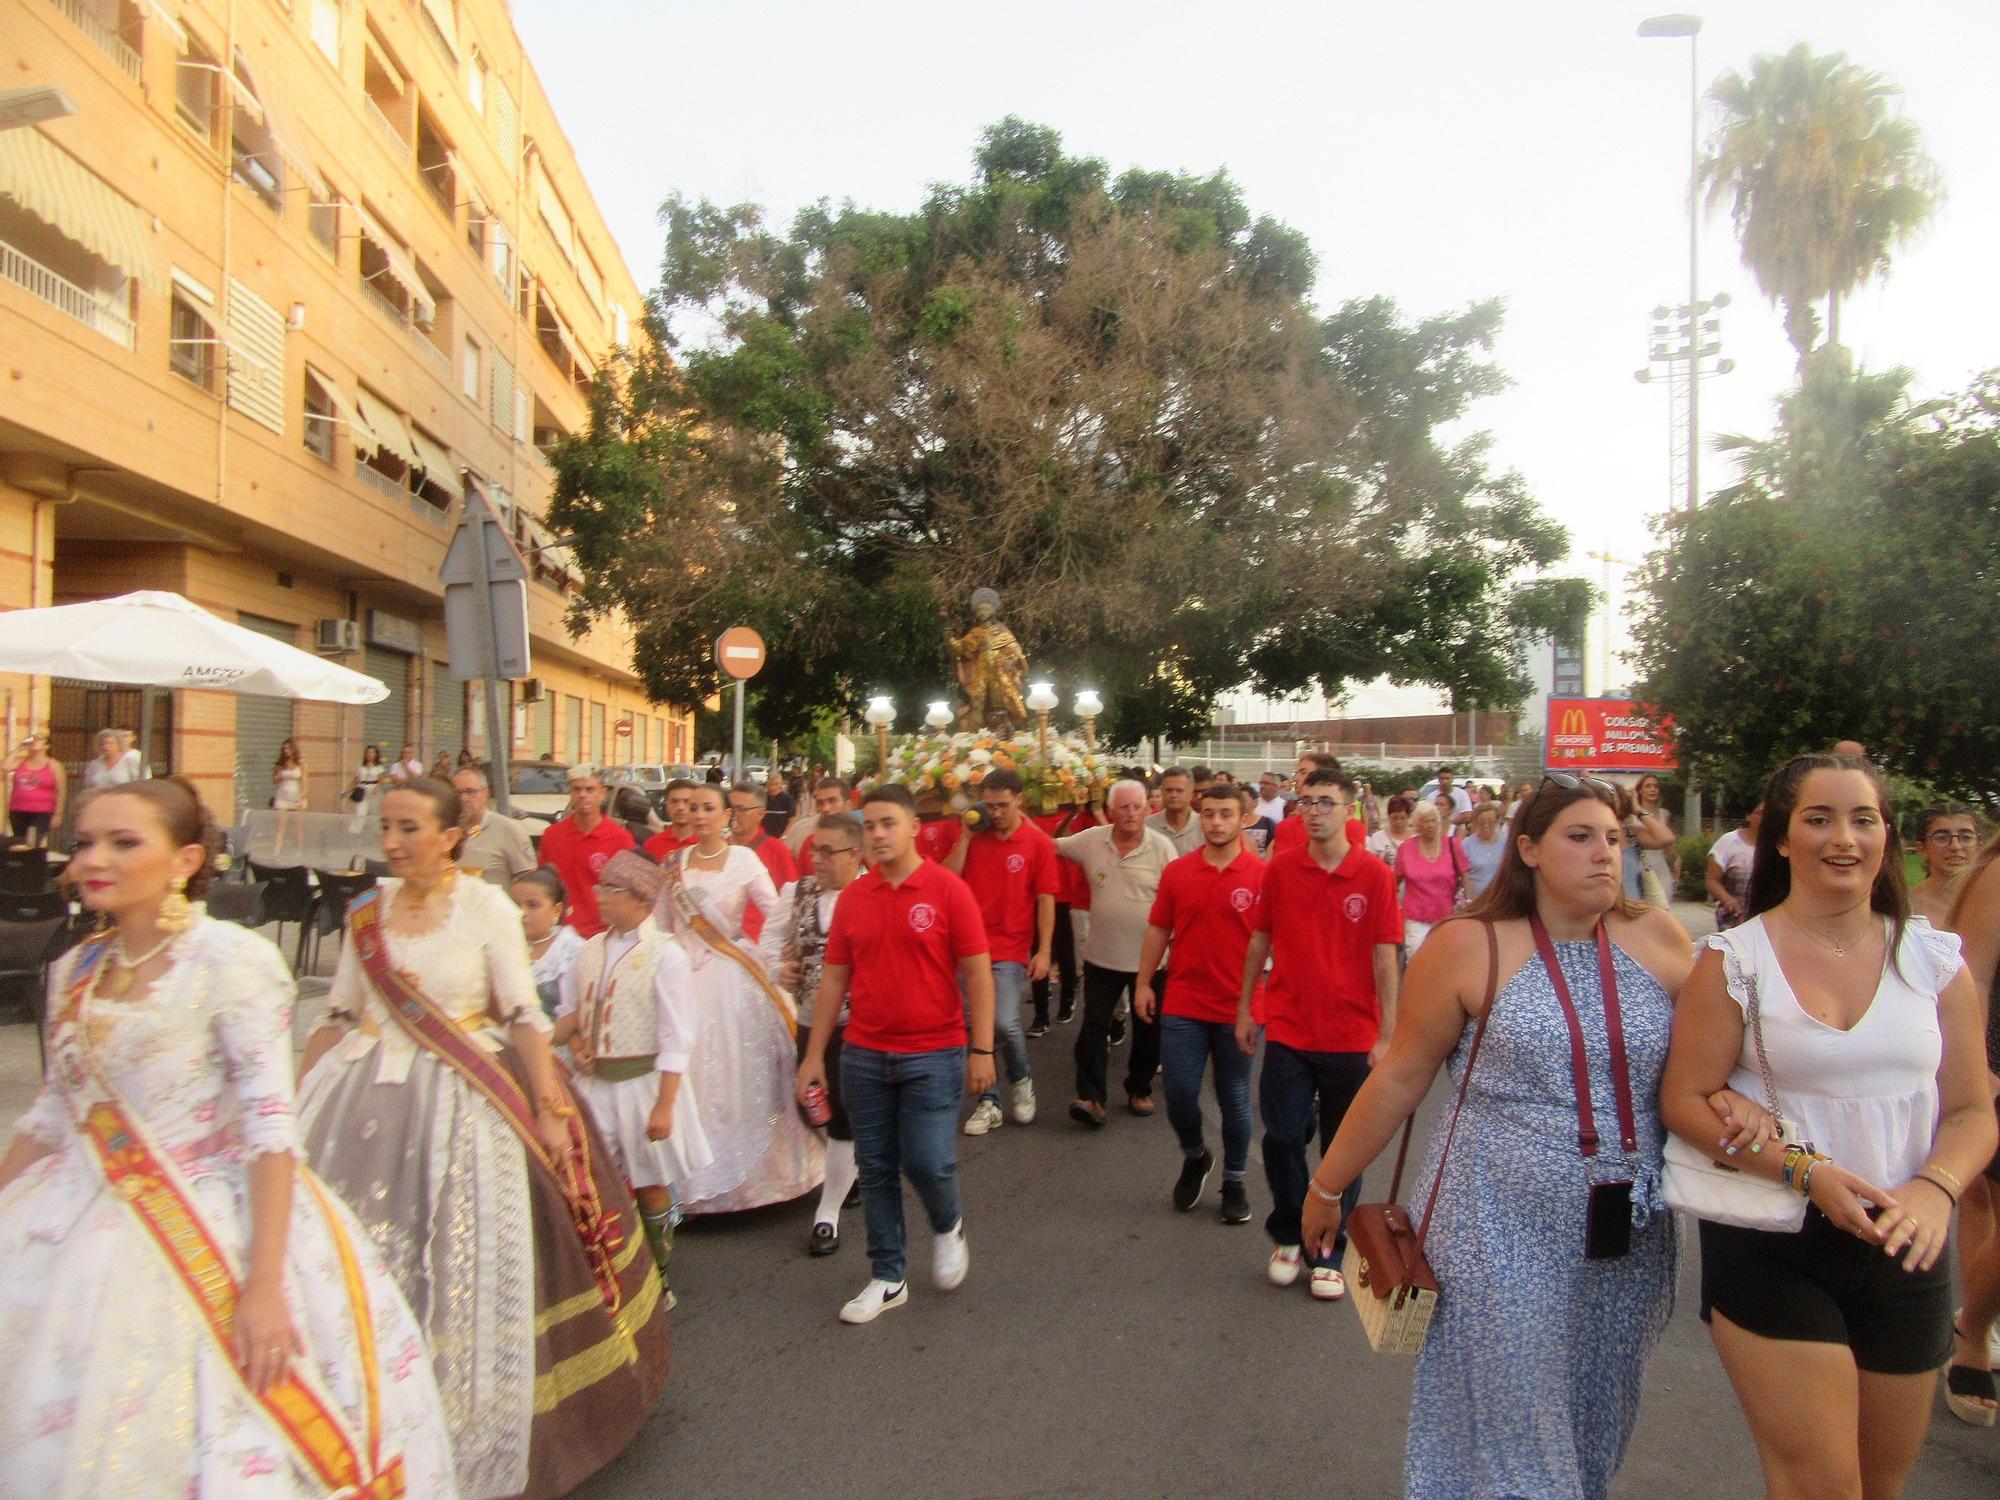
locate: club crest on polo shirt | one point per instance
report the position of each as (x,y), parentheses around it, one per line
(1355,907)
(923,917)
(597,862)
(1016,863)
(1242,898)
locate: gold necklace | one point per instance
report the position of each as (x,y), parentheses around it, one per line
(1838,950)
(118,983)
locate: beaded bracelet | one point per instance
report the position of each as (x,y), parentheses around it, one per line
(1321,1193)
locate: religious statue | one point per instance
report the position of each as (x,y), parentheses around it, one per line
(991,668)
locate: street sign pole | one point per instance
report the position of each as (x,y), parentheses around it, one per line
(496,710)
(736,760)
(739,652)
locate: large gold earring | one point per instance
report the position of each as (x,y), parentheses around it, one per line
(176,911)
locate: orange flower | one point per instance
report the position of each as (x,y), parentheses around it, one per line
(950,779)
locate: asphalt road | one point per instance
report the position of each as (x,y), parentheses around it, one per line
(1102,1345)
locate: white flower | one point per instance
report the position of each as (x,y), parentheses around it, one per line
(980,757)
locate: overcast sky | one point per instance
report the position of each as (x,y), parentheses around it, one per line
(1438,152)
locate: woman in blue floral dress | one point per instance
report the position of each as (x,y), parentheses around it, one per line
(1553,1248)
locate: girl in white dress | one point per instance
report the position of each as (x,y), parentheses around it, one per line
(745,1050)
(180,1292)
(433,1104)
(552,943)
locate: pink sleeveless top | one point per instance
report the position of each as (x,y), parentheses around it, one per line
(34,791)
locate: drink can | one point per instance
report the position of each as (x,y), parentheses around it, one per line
(818,1108)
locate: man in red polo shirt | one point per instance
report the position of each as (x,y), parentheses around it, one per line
(1291,832)
(747,804)
(1327,919)
(1011,867)
(679,832)
(1204,908)
(580,845)
(907,954)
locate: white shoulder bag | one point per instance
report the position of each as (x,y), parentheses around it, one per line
(1695,1184)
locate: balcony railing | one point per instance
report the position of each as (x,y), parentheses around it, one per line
(391,131)
(37,280)
(395,489)
(386,304)
(108,41)
(436,357)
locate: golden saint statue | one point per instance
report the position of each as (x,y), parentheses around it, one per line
(991,668)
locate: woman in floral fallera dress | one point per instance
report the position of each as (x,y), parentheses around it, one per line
(161,1147)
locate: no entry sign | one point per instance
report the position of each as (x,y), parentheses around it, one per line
(739,651)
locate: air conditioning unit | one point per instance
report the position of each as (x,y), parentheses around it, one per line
(532,690)
(338,637)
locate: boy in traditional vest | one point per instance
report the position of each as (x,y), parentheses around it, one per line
(626,1012)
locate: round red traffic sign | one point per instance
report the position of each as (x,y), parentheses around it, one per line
(739,651)
(624,728)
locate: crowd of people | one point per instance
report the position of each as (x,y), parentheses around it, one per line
(422,1272)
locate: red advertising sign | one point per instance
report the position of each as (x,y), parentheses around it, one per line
(1607,734)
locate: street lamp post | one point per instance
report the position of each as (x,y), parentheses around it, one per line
(939,717)
(881,713)
(1087,709)
(1680,25)
(1042,698)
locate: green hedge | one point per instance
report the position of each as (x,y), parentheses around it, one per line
(1693,851)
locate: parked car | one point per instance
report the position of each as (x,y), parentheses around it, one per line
(540,791)
(650,779)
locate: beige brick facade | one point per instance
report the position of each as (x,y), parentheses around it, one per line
(319,212)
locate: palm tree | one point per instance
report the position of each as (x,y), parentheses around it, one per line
(1823,182)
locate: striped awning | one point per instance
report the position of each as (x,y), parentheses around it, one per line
(440,13)
(364,436)
(280,130)
(401,269)
(387,426)
(78,204)
(439,467)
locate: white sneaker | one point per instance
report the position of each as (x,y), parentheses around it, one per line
(1328,1284)
(1284,1267)
(951,1258)
(875,1299)
(985,1116)
(1024,1102)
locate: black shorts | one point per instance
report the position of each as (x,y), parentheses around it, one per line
(26,823)
(837,1128)
(1824,1286)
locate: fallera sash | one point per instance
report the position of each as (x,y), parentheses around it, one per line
(149,1184)
(688,910)
(436,1033)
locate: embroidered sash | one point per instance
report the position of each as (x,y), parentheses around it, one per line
(147,1181)
(436,1033)
(690,915)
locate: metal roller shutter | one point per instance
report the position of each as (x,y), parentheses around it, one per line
(597,736)
(573,731)
(545,724)
(388,722)
(447,710)
(262,725)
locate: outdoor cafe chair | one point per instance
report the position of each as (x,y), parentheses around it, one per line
(288,897)
(337,889)
(32,935)
(24,870)
(239,901)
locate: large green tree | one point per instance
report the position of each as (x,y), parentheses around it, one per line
(1109,398)
(1824,181)
(1857,604)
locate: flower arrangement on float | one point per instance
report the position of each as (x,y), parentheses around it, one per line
(945,769)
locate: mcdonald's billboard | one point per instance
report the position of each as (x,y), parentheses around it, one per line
(1607,734)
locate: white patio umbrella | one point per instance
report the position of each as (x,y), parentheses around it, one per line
(158,639)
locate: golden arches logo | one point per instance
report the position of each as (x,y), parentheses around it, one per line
(1574,721)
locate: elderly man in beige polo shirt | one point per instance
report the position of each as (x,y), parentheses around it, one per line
(495,847)
(1122,860)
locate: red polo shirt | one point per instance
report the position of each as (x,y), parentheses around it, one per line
(901,945)
(1007,876)
(663,843)
(937,837)
(579,858)
(1324,926)
(1073,889)
(1292,834)
(784,871)
(1207,911)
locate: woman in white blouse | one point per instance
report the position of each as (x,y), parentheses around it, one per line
(1833,1334)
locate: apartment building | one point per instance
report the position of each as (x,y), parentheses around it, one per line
(294,278)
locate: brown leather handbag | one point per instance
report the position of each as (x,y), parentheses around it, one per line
(1394,1289)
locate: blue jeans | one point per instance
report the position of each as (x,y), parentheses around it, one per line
(1010,985)
(904,1109)
(1298,1090)
(1186,1047)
